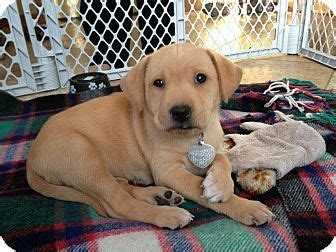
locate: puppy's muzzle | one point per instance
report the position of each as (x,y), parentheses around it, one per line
(180,113)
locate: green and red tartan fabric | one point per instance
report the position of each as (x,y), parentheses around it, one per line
(303,201)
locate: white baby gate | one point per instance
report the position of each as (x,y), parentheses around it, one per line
(45,42)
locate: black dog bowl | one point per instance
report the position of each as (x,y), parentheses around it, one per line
(88,82)
(90,85)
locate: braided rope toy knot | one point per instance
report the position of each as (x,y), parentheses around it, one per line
(274,89)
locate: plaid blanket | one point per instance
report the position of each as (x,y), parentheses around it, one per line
(303,201)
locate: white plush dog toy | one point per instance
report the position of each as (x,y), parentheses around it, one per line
(271,151)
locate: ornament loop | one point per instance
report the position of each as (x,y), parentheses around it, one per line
(201,139)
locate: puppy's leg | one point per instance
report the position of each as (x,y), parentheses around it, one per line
(61,192)
(155,195)
(88,174)
(119,203)
(218,184)
(175,176)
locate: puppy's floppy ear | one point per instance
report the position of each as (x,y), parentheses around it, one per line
(133,84)
(229,74)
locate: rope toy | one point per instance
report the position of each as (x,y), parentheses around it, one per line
(276,89)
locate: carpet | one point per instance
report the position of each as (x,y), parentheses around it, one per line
(303,201)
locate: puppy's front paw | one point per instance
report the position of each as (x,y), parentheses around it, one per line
(173,217)
(217,188)
(254,213)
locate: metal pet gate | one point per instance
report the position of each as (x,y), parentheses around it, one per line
(44,42)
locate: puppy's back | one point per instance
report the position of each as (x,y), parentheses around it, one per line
(104,122)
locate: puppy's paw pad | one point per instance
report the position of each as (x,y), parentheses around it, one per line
(171,201)
(168,194)
(163,196)
(178,200)
(161,201)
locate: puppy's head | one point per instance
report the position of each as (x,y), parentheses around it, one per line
(181,86)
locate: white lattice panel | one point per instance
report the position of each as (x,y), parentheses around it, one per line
(319,41)
(112,36)
(235,27)
(15,69)
(37,27)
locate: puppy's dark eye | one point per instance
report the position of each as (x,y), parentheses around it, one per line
(158,83)
(200,78)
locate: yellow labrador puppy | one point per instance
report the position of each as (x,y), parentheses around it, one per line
(87,153)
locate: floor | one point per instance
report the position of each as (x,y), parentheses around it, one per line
(293,66)
(264,69)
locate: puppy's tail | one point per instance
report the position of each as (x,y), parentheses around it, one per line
(60,192)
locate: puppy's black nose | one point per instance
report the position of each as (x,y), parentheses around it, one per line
(180,113)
